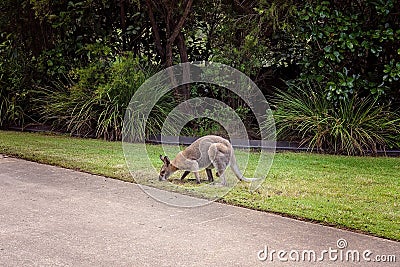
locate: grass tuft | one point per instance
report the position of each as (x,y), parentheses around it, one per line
(352,126)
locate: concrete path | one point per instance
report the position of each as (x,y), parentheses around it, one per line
(51,216)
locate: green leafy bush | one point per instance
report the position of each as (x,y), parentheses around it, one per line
(16,71)
(354,126)
(350,47)
(94,100)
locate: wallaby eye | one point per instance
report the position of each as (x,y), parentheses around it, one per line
(162,172)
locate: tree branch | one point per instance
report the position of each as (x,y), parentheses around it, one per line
(181,22)
(155,30)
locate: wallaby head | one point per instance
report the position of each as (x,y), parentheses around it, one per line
(167,168)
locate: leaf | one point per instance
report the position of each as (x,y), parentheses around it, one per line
(349,44)
(328,48)
(337,55)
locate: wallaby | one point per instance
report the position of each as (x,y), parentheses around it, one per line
(207,152)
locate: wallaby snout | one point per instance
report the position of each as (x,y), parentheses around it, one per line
(166,169)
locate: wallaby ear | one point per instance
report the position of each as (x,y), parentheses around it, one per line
(165,160)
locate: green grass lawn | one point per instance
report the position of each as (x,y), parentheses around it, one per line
(358,193)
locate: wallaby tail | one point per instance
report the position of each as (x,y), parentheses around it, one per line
(237,172)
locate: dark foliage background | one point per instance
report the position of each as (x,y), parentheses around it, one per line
(75,64)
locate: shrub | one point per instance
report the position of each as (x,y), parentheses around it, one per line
(95,104)
(354,126)
(350,47)
(15,79)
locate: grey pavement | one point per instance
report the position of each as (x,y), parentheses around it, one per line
(51,216)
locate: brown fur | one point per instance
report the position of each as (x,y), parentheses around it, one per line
(207,152)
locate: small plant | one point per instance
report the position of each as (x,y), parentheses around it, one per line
(353,127)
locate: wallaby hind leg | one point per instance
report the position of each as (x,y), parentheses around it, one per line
(220,165)
(221,172)
(210,175)
(218,157)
